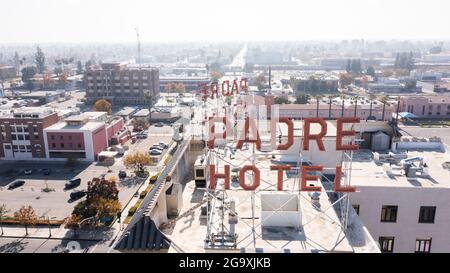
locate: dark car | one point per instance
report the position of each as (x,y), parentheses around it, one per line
(159,124)
(75,195)
(122,174)
(16,184)
(73,183)
(46,171)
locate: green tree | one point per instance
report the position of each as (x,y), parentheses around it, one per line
(149,98)
(384,100)
(372,97)
(137,161)
(370,71)
(102,188)
(302,99)
(27,74)
(260,82)
(80,68)
(317,98)
(281,100)
(40,60)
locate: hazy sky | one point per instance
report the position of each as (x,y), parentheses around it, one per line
(177,20)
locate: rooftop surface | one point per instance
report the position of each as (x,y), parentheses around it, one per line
(367,172)
(88,126)
(320,228)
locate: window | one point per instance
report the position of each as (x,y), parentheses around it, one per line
(20,137)
(79,145)
(62,145)
(356,208)
(423,245)
(70,137)
(386,244)
(52,137)
(14,137)
(427,214)
(199,173)
(53,145)
(389,214)
(61,137)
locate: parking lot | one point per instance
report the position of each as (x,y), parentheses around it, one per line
(57,203)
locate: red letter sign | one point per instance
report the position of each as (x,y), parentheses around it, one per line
(256,178)
(341,133)
(213,176)
(280,169)
(337,182)
(245,134)
(306,177)
(307,136)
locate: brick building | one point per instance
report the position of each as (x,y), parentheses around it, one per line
(121,84)
(21,130)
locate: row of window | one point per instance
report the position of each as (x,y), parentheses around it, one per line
(423,245)
(23,136)
(62,145)
(61,137)
(19,128)
(24,148)
(389,214)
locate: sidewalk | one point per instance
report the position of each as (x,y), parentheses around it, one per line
(57,233)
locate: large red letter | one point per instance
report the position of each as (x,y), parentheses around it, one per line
(245,134)
(341,133)
(256,177)
(211,133)
(318,138)
(244,85)
(306,177)
(227,83)
(213,176)
(280,169)
(235,88)
(214,90)
(290,136)
(337,182)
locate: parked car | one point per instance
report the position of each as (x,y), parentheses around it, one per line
(16,184)
(156,147)
(159,124)
(122,174)
(28,171)
(155,152)
(163,145)
(75,195)
(46,171)
(141,136)
(73,183)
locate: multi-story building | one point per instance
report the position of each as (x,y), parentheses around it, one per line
(83,136)
(121,84)
(22,136)
(402,197)
(7,72)
(426,106)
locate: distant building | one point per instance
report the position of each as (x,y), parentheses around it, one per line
(191,83)
(7,72)
(22,136)
(121,84)
(426,106)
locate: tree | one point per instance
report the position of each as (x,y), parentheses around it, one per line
(16,61)
(384,100)
(302,99)
(102,188)
(372,97)
(103,106)
(180,88)
(27,74)
(102,201)
(370,71)
(139,124)
(281,100)
(3,211)
(149,97)
(107,208)
(345,79)
(80,68)
(137,161)
(343,97)
(356,104)
(40,60)
(215,75)
(260,82)
(330,102)
(317,98)
(26,217)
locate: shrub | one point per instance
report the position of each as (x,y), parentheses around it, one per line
(143,194)
(132,210)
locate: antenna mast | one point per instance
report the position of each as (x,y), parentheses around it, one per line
(138,46)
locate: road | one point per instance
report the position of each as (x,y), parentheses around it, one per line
(26,245)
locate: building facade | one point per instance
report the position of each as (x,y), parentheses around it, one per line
(121,84)
(22,133)
(426,106)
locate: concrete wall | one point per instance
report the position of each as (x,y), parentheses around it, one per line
(407,228)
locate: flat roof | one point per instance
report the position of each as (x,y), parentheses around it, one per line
(88,126)
(367,172)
